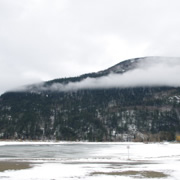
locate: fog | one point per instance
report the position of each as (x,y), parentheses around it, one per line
(41,40)
(150,71)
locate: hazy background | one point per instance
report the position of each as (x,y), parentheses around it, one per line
(45,39)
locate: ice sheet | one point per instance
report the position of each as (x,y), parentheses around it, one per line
(157,157)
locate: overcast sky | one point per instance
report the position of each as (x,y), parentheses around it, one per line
(46,39)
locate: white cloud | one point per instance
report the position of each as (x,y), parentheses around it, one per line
(63,38)
(149,72)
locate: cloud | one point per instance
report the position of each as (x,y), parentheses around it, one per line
(63,38)
(152,71)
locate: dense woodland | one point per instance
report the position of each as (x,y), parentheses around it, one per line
(114,114)
(134,114)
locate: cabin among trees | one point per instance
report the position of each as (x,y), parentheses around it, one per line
(178,137)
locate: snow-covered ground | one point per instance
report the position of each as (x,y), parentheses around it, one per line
(91,161)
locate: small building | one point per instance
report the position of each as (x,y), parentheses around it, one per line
(178,137)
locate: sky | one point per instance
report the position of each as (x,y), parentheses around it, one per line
(46,39)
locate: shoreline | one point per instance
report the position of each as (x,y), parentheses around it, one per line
(13,142)
(49,142)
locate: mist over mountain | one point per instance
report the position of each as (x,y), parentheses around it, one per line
(137,100)
(138,72)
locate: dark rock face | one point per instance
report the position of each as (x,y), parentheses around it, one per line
(114,114)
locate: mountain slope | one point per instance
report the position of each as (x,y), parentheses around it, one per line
(98,114)
(119,68)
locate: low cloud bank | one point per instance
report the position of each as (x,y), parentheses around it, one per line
(149,72)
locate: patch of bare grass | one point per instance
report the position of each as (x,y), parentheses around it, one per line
(135,174)
(6,165)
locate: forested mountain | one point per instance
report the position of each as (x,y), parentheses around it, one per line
(52,111)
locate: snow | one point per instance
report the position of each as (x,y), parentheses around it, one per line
(111,157)
(6,143)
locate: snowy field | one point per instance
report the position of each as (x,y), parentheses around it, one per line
(91,161)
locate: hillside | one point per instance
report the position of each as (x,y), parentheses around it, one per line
(70,109)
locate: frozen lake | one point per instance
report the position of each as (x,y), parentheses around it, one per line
(55,161)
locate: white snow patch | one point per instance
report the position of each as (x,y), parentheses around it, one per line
(112,157)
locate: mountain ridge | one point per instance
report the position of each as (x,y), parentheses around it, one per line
(120,68)
(99,114)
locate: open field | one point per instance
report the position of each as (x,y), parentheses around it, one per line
(89,161)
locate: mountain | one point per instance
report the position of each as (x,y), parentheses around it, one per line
(71,109)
